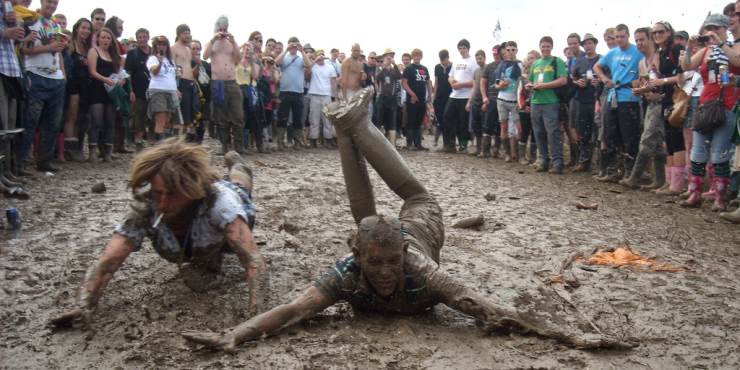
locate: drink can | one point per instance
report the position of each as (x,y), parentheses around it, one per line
(14,218)
(652,75)
(7,7)
(589,75)
(724,75)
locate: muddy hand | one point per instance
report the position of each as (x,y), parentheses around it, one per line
(211,340)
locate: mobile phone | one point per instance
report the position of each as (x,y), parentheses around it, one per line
(703,39)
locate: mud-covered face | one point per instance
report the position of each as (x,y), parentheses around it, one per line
(383,267)
(166,201)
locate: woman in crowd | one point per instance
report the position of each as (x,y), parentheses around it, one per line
(271,78)
(247,72)
(202,74)
(162,92)
(711,60)
(103,61)
(77,88)
(525,111)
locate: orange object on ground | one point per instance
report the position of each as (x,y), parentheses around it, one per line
(624,257)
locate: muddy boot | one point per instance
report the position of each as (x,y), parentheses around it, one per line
(92,156)
(676,182)
(532,157)
(314,143)
(107,152)
(521,152)
(485,147)
(633,182)
(496,149)
(463,146)
(733,216)
(659,179)
(478,146)
(392,135)
(280,138)
(573,155)
(720,191)
(694,200)
(352,120)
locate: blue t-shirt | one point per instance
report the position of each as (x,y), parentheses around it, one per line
(292,77)
(510,70)
(624,67)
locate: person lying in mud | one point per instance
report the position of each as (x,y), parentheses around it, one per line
(394,264)
(190,215)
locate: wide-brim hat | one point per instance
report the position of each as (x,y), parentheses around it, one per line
(589,36)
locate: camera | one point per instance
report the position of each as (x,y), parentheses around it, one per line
(703,39)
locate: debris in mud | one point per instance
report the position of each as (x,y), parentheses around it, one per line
(490,197)
(289,227)
(592,206)
(98,188)
(624,257)
(469,222)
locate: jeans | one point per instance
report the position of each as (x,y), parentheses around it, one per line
(715,145)
(622,133)
(584,124)
(290,102)
(547,134)
(387,112)
(476,119)
(526,120)
(415,115)
(491,125)
(45,106)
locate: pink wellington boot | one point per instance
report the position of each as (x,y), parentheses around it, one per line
(694,200)
(720,185)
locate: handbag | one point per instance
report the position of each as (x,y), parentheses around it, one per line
(710,115)
(680,109)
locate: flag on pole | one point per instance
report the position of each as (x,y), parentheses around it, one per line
(497,31)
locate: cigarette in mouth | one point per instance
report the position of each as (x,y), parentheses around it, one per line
(158,220)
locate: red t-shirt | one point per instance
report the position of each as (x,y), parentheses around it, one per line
(712,88)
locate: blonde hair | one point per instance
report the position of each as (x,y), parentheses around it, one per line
(183,167)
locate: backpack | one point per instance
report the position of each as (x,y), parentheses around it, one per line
(567,91)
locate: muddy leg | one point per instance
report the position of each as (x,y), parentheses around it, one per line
(352,119)
(356,178)
(239,172)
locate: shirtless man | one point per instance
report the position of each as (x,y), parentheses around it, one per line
(182,57)
(394,264)
(228,113)
(353,73)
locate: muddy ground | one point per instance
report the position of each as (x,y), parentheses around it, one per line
(689,319)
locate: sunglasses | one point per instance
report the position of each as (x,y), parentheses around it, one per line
(658,32)
(510,50)
(99,19)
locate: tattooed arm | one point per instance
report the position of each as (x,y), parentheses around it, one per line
(241,242)
(311,301)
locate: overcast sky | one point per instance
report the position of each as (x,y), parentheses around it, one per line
(430,25)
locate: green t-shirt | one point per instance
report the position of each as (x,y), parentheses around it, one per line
(543,66)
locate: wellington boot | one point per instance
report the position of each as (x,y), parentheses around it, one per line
(92,156)
(522,152)
(280,138)
(478,146)
(496,150)
(107,152)
(485,148)
(733,216)
(506,144)
(660,175)
(532,156)
(694,200)
(314,143)
(573,155)
(720,186)
(392,136)
(633,182)
(463,146)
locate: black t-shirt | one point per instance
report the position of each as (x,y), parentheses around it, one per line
(441,73)
(668,66)
(416,76)
(136,67)
(579,70)
(490,74)
(388,81)
(370,72)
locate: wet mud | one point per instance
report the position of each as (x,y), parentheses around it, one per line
(532,230)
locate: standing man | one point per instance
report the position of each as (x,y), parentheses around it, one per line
(622,112)
(509,72)
(489,92)
(291,88)
(137,69)
(588,88)
(45,72)
(419,91)
(334,62)
(475,102)
(228,112)
(202,74)
(442,91)
(97,17)
(353,73)
(571,120)
(10,82)
(182,56)
(323,87)
(547,74)
(461,81)
(387,83)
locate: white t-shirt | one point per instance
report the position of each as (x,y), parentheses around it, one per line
(463,72)
(44,64)
(321,76)
(167,77)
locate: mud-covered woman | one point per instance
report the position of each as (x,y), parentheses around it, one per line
(394,264)
(191,217)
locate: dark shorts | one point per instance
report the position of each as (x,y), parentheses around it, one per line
(187,100)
